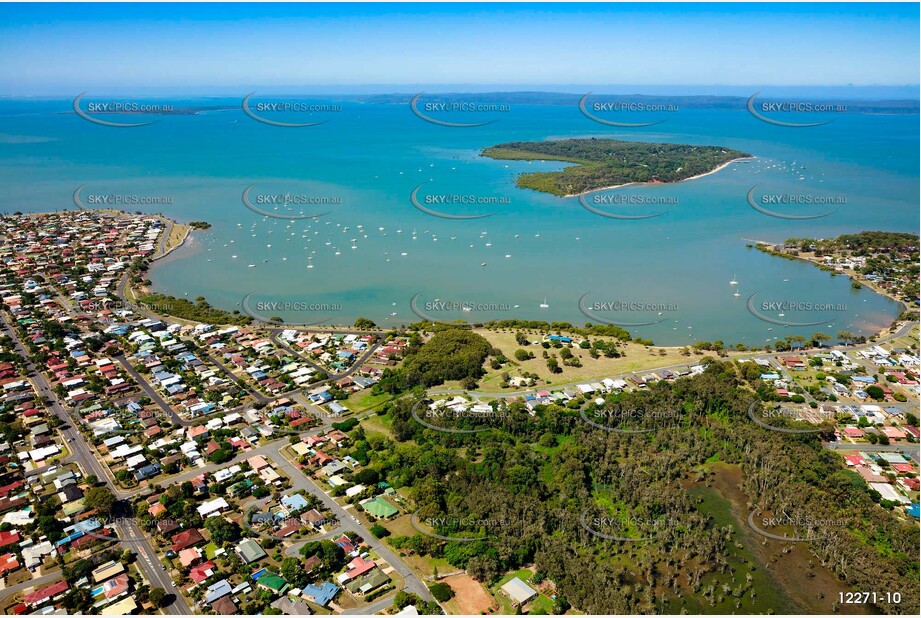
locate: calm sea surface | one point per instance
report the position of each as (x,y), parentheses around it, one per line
(374,251)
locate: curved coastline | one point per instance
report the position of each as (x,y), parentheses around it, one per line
(188,247)
(656,184)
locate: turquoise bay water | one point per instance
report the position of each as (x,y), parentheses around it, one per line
(372,156)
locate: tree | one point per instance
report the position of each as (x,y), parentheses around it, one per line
(367,476)
(441,591)
(157,596)
(547,440)
(523,355)
(222,530)
(220,456)
(876,393)
(820,339)
(100,499)
(403,599)
(293,571)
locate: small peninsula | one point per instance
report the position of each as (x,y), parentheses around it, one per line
(609,163)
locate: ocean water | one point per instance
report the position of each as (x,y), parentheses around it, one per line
(671,271)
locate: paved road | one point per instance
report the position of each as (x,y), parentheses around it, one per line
(35,582)
(83,455)
(256,395)
(151,392)
(147,560)
(906,449)
(275,335)
(373,608)
(301,482)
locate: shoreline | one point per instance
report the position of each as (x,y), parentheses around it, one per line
(765,247)
(184,229)
(655,184)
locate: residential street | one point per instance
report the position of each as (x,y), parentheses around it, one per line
(84,457)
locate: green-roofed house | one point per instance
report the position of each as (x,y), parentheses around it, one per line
(380,508)
(74,508)
(892,458)
(242,487)
(250,551)
(368,582)
(273,582)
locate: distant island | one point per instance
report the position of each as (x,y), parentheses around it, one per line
(609,163)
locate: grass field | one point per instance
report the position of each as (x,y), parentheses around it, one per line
(635,357)
(905,341)
(423,566)
(177,235)
(363,400)
(377,424)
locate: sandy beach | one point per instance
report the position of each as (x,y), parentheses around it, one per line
(627,184)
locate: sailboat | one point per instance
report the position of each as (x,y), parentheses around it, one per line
(733,282)
(544,304)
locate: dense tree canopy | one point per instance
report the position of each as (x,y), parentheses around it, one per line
(607,162)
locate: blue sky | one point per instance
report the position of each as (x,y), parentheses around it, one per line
(64,48)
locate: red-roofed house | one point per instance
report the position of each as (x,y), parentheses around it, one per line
(194,432)
(358,567)
(893,433)
(189,556)
(7,489)
(202,572)
(8,563)
(870,476)
(8,538)
(855,460)
(186,538)
(116,586)
(257,463)
(48,593)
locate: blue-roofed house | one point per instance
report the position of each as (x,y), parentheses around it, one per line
(322,594)
(294,502)
(217,590)
(321,397)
